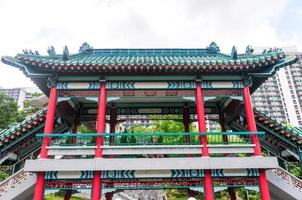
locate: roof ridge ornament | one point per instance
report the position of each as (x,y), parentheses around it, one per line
(30,52)
(213,47)
(248,51)
(85,47)
(51,51)
(234,53)
(65,53)
(270,50)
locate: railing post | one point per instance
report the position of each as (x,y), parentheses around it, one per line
(208,185)
(255,140)
(113,117)
(186,122)
(49,127)
(100,128)
(222,125)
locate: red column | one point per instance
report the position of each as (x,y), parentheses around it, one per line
(100,128)
(49,126)
(255,140)
(208,185)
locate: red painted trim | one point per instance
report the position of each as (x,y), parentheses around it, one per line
(254,139)
(208,184)
(100,128)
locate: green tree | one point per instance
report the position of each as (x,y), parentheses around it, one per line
(8,110)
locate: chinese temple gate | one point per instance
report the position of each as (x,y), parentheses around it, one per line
(99,86)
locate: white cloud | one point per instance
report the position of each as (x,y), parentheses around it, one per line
(35,24)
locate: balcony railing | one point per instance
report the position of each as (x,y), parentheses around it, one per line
(125,144)
(88,139)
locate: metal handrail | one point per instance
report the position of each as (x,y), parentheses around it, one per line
(145,134)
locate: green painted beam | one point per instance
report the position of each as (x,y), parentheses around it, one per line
(78,78)
(221,78)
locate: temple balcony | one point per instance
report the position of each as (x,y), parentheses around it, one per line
(149,151)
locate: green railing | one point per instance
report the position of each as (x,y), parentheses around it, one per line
(88,139)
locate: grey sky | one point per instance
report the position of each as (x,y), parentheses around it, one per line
(36,24)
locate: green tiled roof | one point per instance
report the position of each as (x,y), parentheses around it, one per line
(292,134)
(148,61)
(189,60)
(18,129)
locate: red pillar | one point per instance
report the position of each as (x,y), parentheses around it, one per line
(208,185)
(49,126)
(255,140)
(100,128)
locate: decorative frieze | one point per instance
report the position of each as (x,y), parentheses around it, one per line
(131,85)
(133,174)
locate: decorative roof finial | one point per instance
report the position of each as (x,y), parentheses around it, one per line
(85,46)
(234,53)
(65,53)
(213,47)
(249,51)
(51,51)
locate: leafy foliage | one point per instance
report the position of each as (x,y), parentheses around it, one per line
(8,110)
(60,195)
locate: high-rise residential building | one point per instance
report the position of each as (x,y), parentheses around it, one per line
(19,94)
(280,97)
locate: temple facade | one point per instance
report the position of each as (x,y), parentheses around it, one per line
(99,86)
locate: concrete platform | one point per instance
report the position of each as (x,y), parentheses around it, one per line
(150,163)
